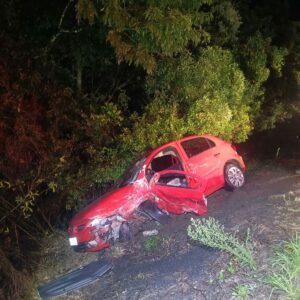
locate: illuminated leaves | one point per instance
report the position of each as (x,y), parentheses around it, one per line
(86,9)
(139,32)
(278,57)
(26,203)
(131,55)
(195,94)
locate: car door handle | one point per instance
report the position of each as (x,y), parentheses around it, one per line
(217,154)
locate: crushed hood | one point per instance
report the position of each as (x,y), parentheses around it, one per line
(106,206)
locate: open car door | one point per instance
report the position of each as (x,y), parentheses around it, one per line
(177,192)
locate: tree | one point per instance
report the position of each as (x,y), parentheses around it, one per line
(267,53)
(194,94)
(144,32)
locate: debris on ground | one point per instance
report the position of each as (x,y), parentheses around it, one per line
(75,279)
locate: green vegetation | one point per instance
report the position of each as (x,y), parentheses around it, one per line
(231,268)
(211,233)
(76,110)
(152,242)
(286,268)
(241,292)
(221,276)
(86,86)
(140,276)
(284,265)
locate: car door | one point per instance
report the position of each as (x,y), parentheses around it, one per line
(203,159)
(177,191)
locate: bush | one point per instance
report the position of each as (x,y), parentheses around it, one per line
(193,94)
(210,233)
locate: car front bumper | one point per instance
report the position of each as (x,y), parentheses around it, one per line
(88,240)
(91,246)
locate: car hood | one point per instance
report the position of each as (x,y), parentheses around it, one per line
(107,205)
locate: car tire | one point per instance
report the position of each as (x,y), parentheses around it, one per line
(234,176)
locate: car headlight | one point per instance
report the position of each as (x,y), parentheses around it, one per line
(97,222)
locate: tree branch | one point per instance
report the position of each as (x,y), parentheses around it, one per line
(59,27)
(63,14)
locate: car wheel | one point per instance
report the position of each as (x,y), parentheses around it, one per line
(234,176)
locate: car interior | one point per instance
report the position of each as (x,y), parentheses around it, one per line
(167,159)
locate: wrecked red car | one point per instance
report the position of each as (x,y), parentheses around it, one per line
(174,178)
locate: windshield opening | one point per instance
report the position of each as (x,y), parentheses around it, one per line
(131,174)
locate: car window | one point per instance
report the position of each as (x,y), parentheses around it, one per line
(167,159)
(211,143)
(173,179)
(195,146)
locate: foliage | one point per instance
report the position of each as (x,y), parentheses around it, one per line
(259,60)
(210,63)
(210,233)
(152,242)
(221,276)
(33,152)
(141,30)
(241,291)
(286,268)
(224,28)
(268,51)
(51,144)
(86,85)
(193,94)
(231,268)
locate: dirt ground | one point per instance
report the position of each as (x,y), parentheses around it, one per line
(170,266)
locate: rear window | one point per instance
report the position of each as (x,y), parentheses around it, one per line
(195,146)
(211,143)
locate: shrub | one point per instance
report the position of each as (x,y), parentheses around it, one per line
(211,233)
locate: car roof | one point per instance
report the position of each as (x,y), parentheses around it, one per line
(192,136)
(189,137)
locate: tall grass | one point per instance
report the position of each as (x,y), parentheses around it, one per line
(285,273)
(211,233)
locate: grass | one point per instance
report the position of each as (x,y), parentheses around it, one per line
(286,269)
(241,291)
(231,268)
(152,242)
(211,233)
(221,276)
(155,241)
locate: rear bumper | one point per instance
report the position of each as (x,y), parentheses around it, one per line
(243,166)
(240,161)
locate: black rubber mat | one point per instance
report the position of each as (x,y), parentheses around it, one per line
(75,279)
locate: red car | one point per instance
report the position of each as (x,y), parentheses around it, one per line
(176,177)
